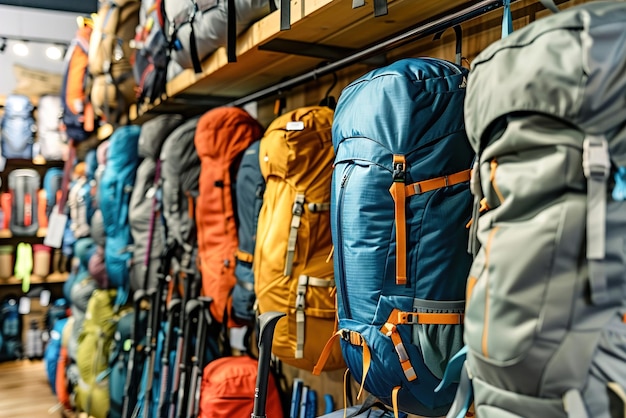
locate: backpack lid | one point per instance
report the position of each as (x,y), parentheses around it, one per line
(394,96)
(296,143)
(154,132)
(224,132)
(566,71)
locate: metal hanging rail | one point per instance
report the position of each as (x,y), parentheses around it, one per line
(421,31)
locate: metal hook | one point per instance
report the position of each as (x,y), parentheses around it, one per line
(459,42)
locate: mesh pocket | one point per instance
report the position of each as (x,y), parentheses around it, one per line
(438,342)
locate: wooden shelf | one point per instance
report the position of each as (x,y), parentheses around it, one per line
(326,26)
(51,278)
(41,233)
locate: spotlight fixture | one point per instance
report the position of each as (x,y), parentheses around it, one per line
(20,49)
(54,52)
(3,44)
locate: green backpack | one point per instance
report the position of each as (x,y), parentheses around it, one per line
(94,347)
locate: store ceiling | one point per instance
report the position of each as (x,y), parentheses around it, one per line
(39,23)
(83,6)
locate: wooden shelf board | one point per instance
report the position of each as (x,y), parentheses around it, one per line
(6,233)
(325,22)
(51,278)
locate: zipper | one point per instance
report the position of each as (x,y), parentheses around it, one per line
(492,178)
(338,248)
(485,336)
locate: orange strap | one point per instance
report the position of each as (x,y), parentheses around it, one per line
(414,318)
(345,393)
(394,400)
(391,331)
(438,183)
(353,338)
(244,256)
(398,317)
(398,193)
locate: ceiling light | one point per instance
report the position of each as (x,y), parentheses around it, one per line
(20,49)
(54,52)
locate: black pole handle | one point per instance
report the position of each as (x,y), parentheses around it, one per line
(267,324)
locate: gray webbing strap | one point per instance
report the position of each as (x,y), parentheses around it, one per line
(303,282)
(296,215)
(574,404)
(318,207)
(246,285)
(596,166)
(473,245)
(550,5)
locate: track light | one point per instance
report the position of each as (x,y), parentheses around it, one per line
(54,52)
(20,49)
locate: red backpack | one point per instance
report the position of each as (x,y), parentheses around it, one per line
(228,387)
(222,135)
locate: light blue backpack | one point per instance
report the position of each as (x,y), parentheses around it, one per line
(18,127)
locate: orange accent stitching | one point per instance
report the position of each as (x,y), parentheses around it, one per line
(486,320)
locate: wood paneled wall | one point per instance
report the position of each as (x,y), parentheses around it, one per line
(477,35)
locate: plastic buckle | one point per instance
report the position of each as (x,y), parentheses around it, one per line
(409,318)
(399,173)
(298,209)
(596,161)
(194,10)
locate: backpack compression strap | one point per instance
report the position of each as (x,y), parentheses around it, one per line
(296,215)
(398,317)
(353,338)
(596,167)
(303,282)
(400,192)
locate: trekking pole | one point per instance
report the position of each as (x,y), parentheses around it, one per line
(192,310)
(267,323)
(130,385)
(178,357)
(151,344)
(204,322)
(173,318)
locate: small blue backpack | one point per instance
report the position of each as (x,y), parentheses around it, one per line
(18,127)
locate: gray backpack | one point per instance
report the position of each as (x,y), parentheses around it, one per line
(197,28)
(546,113)
(144,207)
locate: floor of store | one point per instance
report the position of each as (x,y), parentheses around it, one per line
(25,391)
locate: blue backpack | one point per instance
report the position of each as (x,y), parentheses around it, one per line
(400,203)
(17,128)
(10,330)
(52,352)
(52,184)
(115,188)
(249,199)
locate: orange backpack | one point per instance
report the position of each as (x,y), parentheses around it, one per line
(228,389)
(293,271)
(222,135)
(78,115)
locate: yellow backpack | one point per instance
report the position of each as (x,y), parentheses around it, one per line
(292,268)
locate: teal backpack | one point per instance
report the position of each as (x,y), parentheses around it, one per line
(400,202)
